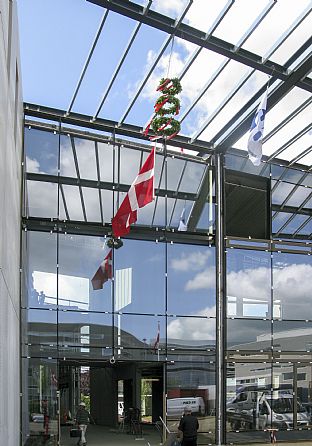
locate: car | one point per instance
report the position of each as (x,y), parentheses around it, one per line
(37,417)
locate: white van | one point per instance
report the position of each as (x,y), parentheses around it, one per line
(260,408)
(176,406)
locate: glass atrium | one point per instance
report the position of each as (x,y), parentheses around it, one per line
(218,314)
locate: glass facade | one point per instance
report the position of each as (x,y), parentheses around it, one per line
(150,334)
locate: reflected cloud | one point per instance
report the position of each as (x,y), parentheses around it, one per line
(190,262)
(194,328)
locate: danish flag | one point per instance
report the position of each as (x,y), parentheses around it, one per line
(141,193)
(105,270)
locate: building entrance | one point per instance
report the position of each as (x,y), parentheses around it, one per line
(124,399)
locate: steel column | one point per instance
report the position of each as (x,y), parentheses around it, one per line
(220,302)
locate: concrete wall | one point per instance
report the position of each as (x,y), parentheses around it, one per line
(10,197)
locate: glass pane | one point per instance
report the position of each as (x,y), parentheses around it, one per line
(292,336)
(248,334)
(84,330)
(247,387)
(39,253)
(192,383)
(79,259)
(140,332)
(191,280)
(292,285)
(39,401)
(40,327)
(41,150)
(140,276)
(191,333)
(41,199)
(248,284)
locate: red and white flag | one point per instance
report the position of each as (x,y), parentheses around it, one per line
(141,193)
(156,343)
(105,270)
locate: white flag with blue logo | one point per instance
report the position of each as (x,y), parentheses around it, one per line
(182,223)
(254,144)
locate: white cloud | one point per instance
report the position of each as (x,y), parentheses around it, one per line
(203,280)
(190,261)
(193,328)
(32,165)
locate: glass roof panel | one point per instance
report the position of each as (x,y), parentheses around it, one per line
(92,203)
(73,202)
(285,107)
(278,22)
(281,192)
(170,9)
(284,135)
(299,196)
(202,14)
(243,13)
(85,150)
(294,224)
(42,200)
(279,220)
(130,163)
(252,84)
(175,169)
(192,177)
(105,152)
(67,163)
(307,229)
(41,150)
(307,160)
(107,204)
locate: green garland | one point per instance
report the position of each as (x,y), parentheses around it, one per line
(173,128)
(163,123)
(174,109)
(175,86)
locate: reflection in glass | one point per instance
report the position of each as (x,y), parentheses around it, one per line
(192,383)
(248,284)
(191,280)
(143,263)
(292,285)
(79,259)
(40,400)
(246,334)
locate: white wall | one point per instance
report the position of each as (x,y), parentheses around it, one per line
(10,197)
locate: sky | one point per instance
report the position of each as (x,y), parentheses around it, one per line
(56,37)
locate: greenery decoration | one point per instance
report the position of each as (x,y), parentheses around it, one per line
(166,107)
(114,243)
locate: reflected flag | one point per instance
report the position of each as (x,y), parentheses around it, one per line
(182,224)
(141,193)
(156,343)
(105,270)
(254,144)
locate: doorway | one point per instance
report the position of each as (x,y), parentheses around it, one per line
(123,399)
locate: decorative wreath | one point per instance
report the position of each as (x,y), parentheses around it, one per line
(166,127)
(170,86)
(166,107)
(164,100)
(114,243)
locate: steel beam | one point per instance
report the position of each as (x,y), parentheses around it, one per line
(105,185)
(105,125)
(220,303)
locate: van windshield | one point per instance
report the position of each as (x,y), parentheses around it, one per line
(284,405)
